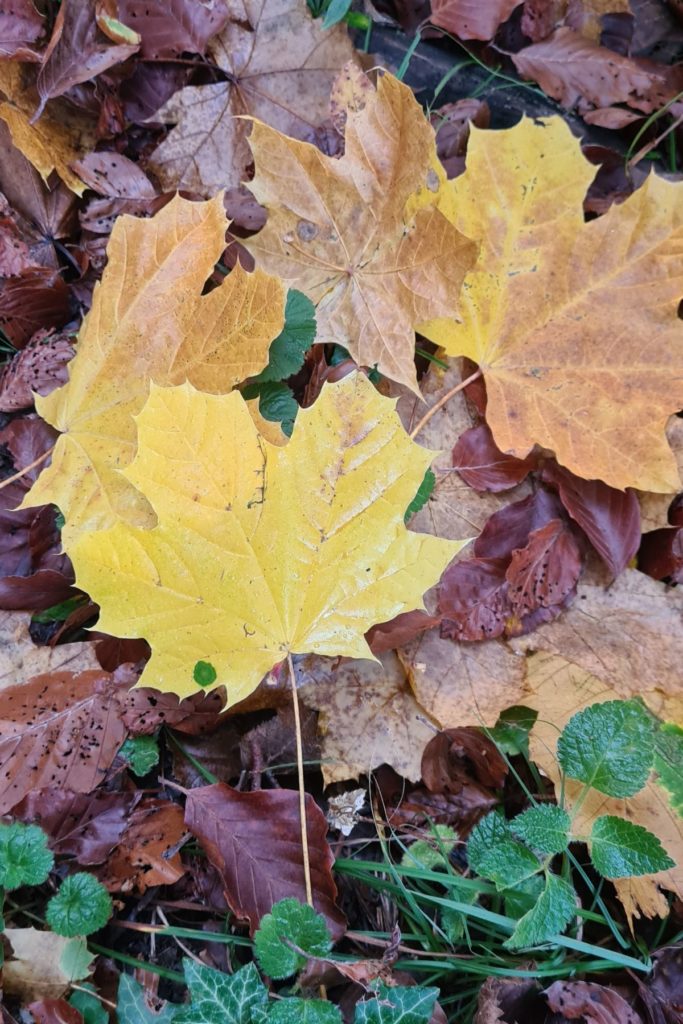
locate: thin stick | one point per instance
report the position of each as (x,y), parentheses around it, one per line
(442,401)
(649,146)
(26,469)
(302,791)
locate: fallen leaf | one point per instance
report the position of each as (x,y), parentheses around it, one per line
(483,466)
(114,175)
(169,28)
(147,853)
(342,236)
(469,19)
(150,320)
(589,1002)
(662,990)
(21,26)
(456,757)
(253,840)
(343,810)
(566,365)
(21,659)
(387,636)
(417,807)
(654,507)
(279,65)
(36,298)
(505,999)
(39,367)
(388,724)
(463,684)
(44,964)
(201,461)
(586,16)
(544,572)
(661,554)
(54,1011)
(218,754)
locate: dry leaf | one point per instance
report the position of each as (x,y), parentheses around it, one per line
(368,716)
(147,853)
(44,964)
(150,321)
(262,550)
(279,64)
(471,19)
(338,230)
(584,363)
(21,659)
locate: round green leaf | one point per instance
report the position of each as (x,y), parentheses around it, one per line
(299,925)
(81,906)
(24,855)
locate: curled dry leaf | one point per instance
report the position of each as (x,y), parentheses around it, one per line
(147,853)
(36,298)
(343,236)
(455,757)
(253,840)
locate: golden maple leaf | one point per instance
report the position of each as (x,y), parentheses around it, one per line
(574,324)
(338,228)
(262,550)
(149,321)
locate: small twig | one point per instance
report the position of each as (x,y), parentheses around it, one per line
(649,146)
(26,469)
(181,945)
(442,401)
(302,791)
(384,944)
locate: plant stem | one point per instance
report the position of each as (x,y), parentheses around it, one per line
(302,790)
(442,401)
(26,469)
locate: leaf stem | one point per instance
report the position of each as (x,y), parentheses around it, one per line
(442,401)
(302,791)
(26,469)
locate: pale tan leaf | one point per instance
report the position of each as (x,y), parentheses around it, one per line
(20,658)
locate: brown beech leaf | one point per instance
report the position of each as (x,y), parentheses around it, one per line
(171,27)
(473,598)
(387,636)
(218,754)
(273,743)
(470,19)
(483,466)
(388,724)
(253,840)
(39,367)
(21,26)
(343,235)
(545,571)
(589,1002)
(145,710)
(510,527)
(661,554)
(55,1011)
(37,297)
(147,853)
(416,806)
(279,64)
(462,684)
(456,757)
(114,175)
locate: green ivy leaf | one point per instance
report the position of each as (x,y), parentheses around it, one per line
(287,351)
(90,1008)
(668,762)
(276,403)
(609,746)
(141,753)
(492,830)
(552,913)
(304,1011)
(81,906)
(620,849)
(24,856)
(545,828)
(398,1006)
(424,493)
(299,924)
(431,854)
(508,863)
(219,998)
(132,1007)
(511,731)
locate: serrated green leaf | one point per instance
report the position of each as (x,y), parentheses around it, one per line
(452,920)
(141,753)
(431,853)
(287,351)
(551,914)
(522,897)
(424,493)
(24,855)
(304,1011)
(132,1008)
(511,731)
(81,906)
(668,763)
(398,1006)
(508,863)
(620,849)
(76,959)
(300,925)
(276,403)
(90,1008)
(545,828)
(219,998)
(609,746)
(488,833)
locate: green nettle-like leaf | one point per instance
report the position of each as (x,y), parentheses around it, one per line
(300,925)
(511,731)
(668,763)
(287,351)
(424,493)
(276,403)
(620,849)
(551,914)
(132,1007)
(609,746)
(303,1011)
(219,998)
(141,753)
(81,906)
(545,828)
(508,863)
(492,830)
(432,853)
(452,920)
(90,1008)
(24,855)
(398,1006)
(519,900)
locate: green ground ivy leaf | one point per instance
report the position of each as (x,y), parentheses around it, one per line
(552,913)
(424,493)
(287,351)
(398,1006)
(132,1007)
(299,924)
(141,753)
(668,763)
(488,833)
(81,906)
(90,1008)
(545,828)
(302,1011)
(620,849)
(609,746)
(24,856)
(219,998)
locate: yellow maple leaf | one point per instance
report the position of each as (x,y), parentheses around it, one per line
(338,229)
(574,324)
(262,550)
(149,321)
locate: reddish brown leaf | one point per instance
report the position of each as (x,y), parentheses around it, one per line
(21,26)
(38,297)
(218,754)
(471,19)
(14,252)
(473,598)
(509,528)
(483,466)
(661,554)
(148,852)
(253,840)
(171,27)
(145,710)
(40,367)
(416,806)
(113,651)
(452,122)
(387,636)
(114,175)
(545,571)
(590,1003)
(456,757)
(662,990)
(54,1011)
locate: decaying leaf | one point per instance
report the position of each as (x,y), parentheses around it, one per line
(150,321)
(583,363)
(242,568)
(469,19)
(338,229)
(279,65)
(21,659)
(147,853)
(44,964)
